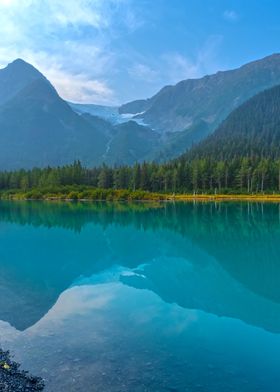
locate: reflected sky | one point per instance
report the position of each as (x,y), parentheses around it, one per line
(119,297)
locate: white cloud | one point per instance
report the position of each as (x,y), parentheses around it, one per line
(77,87)
(143,72)
(6,3)
(50,13)
(69,41)
(86,48)
(169,68)
(81,88)
(179,67)
(231,15)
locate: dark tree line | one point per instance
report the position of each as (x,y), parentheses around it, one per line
(182,175)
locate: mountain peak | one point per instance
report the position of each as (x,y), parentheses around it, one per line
(15,77)
(19,61)
(20,65)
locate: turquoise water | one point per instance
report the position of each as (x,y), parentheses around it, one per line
(142,297)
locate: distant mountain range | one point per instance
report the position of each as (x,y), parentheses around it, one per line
(38,128)
(194,108)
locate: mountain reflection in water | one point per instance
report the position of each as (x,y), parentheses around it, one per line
(166,266)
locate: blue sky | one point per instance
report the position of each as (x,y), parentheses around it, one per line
(114,51)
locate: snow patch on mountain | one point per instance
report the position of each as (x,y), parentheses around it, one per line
(108,113)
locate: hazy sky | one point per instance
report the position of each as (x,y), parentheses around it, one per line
(113,51)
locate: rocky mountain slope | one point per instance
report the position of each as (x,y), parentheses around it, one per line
(194,108)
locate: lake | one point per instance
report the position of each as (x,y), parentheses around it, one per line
(142,297)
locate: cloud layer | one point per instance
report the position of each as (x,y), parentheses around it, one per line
(67,40)
(112,51)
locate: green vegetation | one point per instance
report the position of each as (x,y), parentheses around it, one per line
(252,130)
(77,192)
(147,181)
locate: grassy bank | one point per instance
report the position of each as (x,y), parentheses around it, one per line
(81,193)
(229,197)
(94,194)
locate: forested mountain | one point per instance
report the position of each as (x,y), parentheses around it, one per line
(243,155)
(204,103)
(252,130)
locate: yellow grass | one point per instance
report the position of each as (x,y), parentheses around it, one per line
(228,197)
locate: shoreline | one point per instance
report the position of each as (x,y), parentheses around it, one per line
(156,198)
(13,379)
(228,197)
